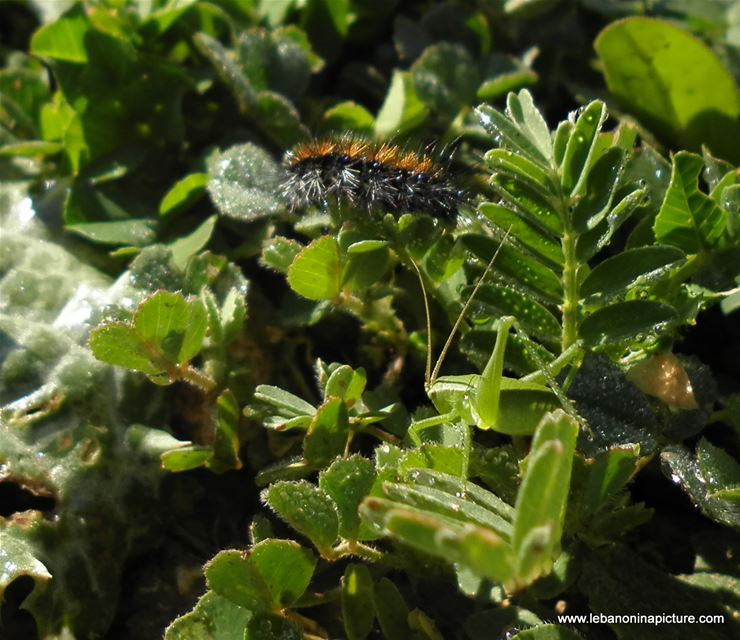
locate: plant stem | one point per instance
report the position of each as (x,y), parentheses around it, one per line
(354,548)
(381,435)
(570,290)
(197,378)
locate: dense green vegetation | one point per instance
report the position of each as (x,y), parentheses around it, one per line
(220,418)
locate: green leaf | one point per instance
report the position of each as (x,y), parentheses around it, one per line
(233,575)
(716,498)
(543,496)
(226,441)
(31,149)
(120,345)
(723,190)
(347,481)
(564,572)
(316,271)
(327,23)
(530,199)
(264,626)
(228,70)
(64,39)
(133,233)
(609,474)
(455,486)
(85,201)
(445,78)
(172,324)
(418,234)
(187,246)
(629,269)
(346,383)
(349,116)
(24,93)
(213,618)
(578,152)
(502,74)
(232,314)
(521,110)
(485,553)
(285,567)
(244,183)
(279,119)
(284,401)
(688,219)
(719,470)
(307,509)
(183,194)
(673,82)
(595,239)
(525,232)
(271,61)
(391,610)
(725,588)
(617,412)
(498,300)
(444,259)
(431,456)
(300,38)
(279,253)
(523,169)
(160,20)
(327,435)
(508,136)
(598,186)
(364,269)
(402,109)
(261,581)
(358,606)
(186,458)
(167,331)
(452,506)
(529,273)
(290,468)
(620,323)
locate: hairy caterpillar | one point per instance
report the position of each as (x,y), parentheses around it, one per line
(371,176)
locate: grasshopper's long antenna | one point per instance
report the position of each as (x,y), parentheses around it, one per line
(428,368)
(460,317)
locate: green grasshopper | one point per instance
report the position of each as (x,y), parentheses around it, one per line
(490,400)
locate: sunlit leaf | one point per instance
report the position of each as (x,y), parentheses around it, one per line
(688,218)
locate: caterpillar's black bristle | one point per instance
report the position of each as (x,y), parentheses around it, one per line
(372,176)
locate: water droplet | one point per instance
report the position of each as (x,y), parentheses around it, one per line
(484,118)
